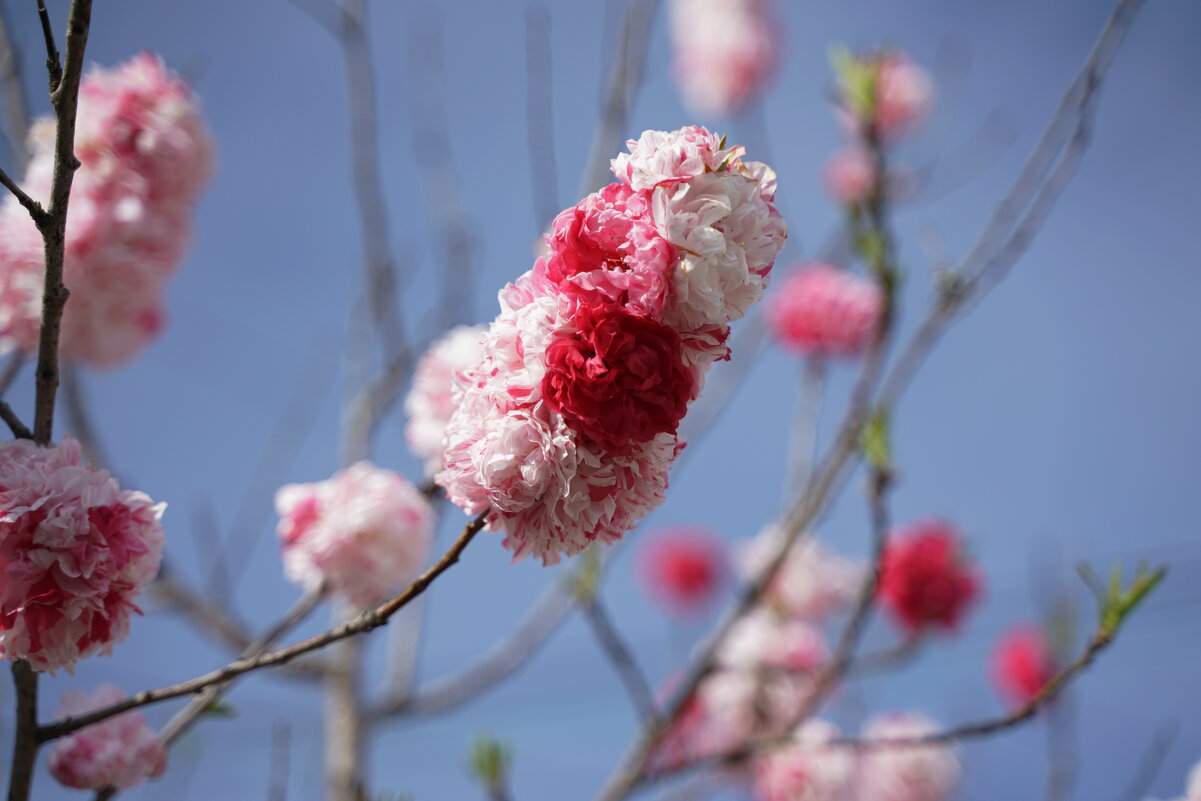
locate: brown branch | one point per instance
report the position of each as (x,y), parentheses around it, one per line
(25,746)
(367,621)
(54,65)
(36,212)
(10,372)
(621,658)
(19,429)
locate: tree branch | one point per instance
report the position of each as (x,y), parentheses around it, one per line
(367,621)
(621,658)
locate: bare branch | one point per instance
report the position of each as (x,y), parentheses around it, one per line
(25,746)
(10,372)
(53,61)
(367,621)
(36,212)
(621,658)
(1152,761)
(539,115)
(19,429)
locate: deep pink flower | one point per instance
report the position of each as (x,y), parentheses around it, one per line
(822,311)
(927,579)
(683,568)
(617,378)
(75,551)
(1022,663)
(361,532)
(850,175)
(606,248)
(121,751)
(145,156)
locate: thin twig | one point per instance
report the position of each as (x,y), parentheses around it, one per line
(35,209)
(10,372)
(367,621)
(1151,763)
(621,658)
(25,746)
(803,435)
(54,65)
(539,115)
(19,429)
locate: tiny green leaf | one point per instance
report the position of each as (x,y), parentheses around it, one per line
(218,708)
(875,440)
(489,761)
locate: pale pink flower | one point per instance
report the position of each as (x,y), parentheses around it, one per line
(75,551)
(145,155)
(360,533)
(811,584)
(725,51)
(924,773)
(121,751)
(430,404)
(805,771)
(850,175)
(666,157)
(765,639)
(904,94)
(822,311)
(730,236)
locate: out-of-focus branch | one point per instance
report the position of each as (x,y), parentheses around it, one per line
(620,657)
(803,434)
(185,718)
(624,80)
(16,105)
(539,115)
(367,621)
(1151,763)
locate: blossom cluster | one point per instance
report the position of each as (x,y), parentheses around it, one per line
(120,751)
(144,156)
(725,51)
(357,534)
(566,427)
(75,552)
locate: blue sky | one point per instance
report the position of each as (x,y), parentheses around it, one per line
(1057,423)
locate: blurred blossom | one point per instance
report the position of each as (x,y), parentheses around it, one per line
(683,568)
(822,311)
(925,773)
(799,771)
(927,579)
(121,751)
(725,51)
(360,533)
(904,94)
(811,584)
(850,175)
(430,401)
(1022,663)
(144,155)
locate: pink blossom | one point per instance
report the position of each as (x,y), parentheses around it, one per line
(660,158)
(927,579)
(75,551)
(606,248)
(925,773)
(682,568)
(430,402)
(811,584)
(803,771)
(1022,663)
(904,95)
(145,156)
(725,51)
(850,175)
(730,236)
(121,751)
(822,311)
(360,533)
(765,639)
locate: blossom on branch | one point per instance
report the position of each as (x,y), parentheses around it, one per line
(121,751)
(1023,661)
(927,580)
(803,770)
(811,584)
(430,402)
(725,51)
(923,773)
(565,427)
(75,552)
(823,312)
(360,533)
(144,157)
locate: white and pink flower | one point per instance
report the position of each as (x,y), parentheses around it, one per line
(75,552)
(360,533)
(725,51)
(121,751)
(430,403)
(911,773)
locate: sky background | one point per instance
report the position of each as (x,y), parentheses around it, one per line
(1057,423)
